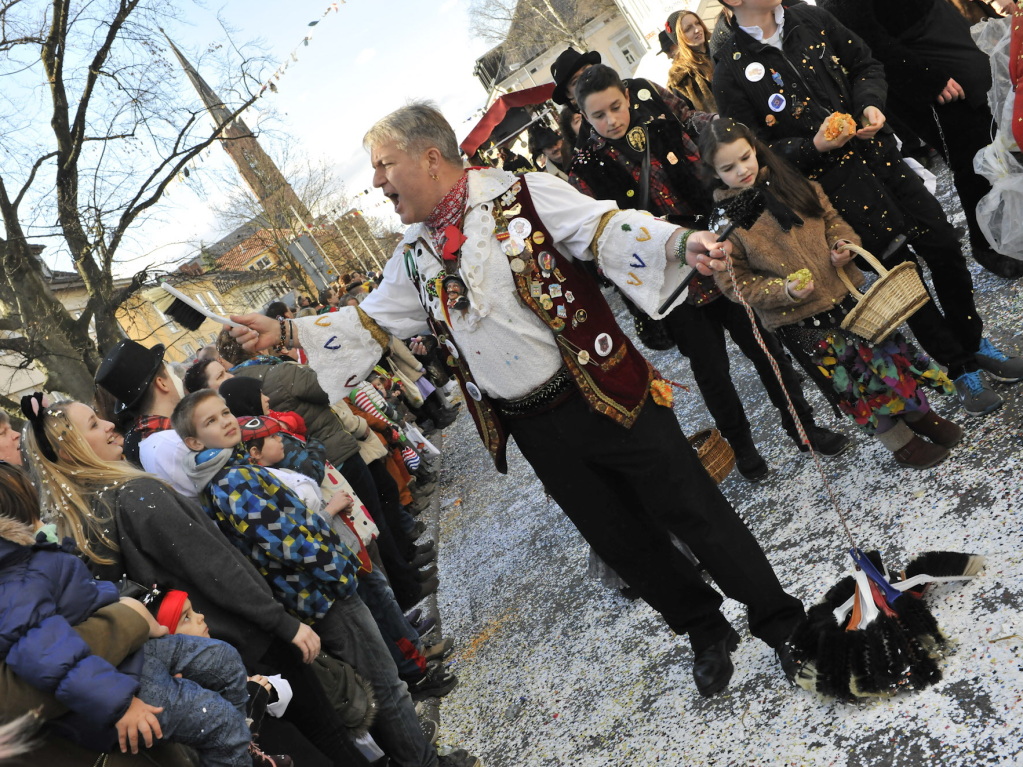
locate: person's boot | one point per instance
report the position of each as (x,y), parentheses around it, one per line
(909,450)
(824,441)
(441,416)
(935,428)
(750,464)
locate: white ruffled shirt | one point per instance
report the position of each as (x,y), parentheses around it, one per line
(509,350)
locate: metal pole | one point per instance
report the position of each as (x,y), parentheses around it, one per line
(311,262)
(349,245)
(374,255)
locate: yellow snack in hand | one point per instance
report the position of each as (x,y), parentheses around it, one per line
(802,278)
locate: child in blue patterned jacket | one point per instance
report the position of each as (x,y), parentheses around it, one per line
(309,569)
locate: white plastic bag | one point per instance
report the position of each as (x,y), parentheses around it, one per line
(993,36)
(1000,211)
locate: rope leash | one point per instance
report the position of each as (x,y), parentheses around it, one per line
(788,400)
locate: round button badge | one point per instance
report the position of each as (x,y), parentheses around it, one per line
(755,72)
(474,391)
(520,228)
(776,102)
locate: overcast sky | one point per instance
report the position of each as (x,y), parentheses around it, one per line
(363,61)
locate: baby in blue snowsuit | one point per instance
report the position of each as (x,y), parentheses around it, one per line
(45,591)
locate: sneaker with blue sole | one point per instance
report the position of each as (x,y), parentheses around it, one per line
(976,398)
(999,365)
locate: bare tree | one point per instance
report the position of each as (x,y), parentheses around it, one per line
(316,182)
(526,28)
(104,123)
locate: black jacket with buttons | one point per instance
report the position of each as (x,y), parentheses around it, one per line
(822,68)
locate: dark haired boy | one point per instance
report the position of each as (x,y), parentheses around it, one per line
(642,153)
(782,70)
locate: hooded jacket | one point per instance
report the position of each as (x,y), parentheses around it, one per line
(166,538)
(112,633)
(44,592)
(299,556)
(291,386)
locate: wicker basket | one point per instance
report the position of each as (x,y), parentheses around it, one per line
(892,300)
(714,453)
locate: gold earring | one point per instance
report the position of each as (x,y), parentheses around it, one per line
(434,176)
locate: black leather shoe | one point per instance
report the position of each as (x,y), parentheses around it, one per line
(996,263)
(712,668)
(424,559)
(789,665)
(827,443)
(415,550)
(749,462)
(425,575)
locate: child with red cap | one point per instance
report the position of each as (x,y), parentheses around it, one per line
(45,591)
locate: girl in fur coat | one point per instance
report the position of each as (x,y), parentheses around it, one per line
(786,267)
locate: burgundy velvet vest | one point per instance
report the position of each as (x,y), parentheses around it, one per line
(615,377)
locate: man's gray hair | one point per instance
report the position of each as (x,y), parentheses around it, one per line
(414,128)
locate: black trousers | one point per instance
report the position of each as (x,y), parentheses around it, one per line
(699,333)
(624,489)
(948,327)
(310,709)
(966,129)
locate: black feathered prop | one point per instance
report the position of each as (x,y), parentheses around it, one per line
(873,635)
(742,211)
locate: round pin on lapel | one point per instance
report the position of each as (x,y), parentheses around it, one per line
(474,391)
(518,265)
(755,72)
(603,344)
(520,228)
(777,102)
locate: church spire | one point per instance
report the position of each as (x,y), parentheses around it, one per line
(214,104)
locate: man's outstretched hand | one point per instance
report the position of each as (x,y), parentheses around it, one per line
(256,332)
(705,254)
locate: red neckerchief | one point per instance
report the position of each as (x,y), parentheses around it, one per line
(148,425)
(444,222)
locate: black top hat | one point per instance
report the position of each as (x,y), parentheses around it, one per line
(128,369)
(567,64)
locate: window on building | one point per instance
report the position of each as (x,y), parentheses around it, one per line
(215,302)
(263,263)
(628,48)
(189,352)
(165,320)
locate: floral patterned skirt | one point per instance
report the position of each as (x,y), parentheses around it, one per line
(882,379)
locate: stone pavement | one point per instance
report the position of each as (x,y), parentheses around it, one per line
(557,670)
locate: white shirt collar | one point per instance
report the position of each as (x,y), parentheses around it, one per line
(758,34)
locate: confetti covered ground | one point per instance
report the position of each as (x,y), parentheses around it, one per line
(556,669)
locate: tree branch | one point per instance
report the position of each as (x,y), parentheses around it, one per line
(31,177)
